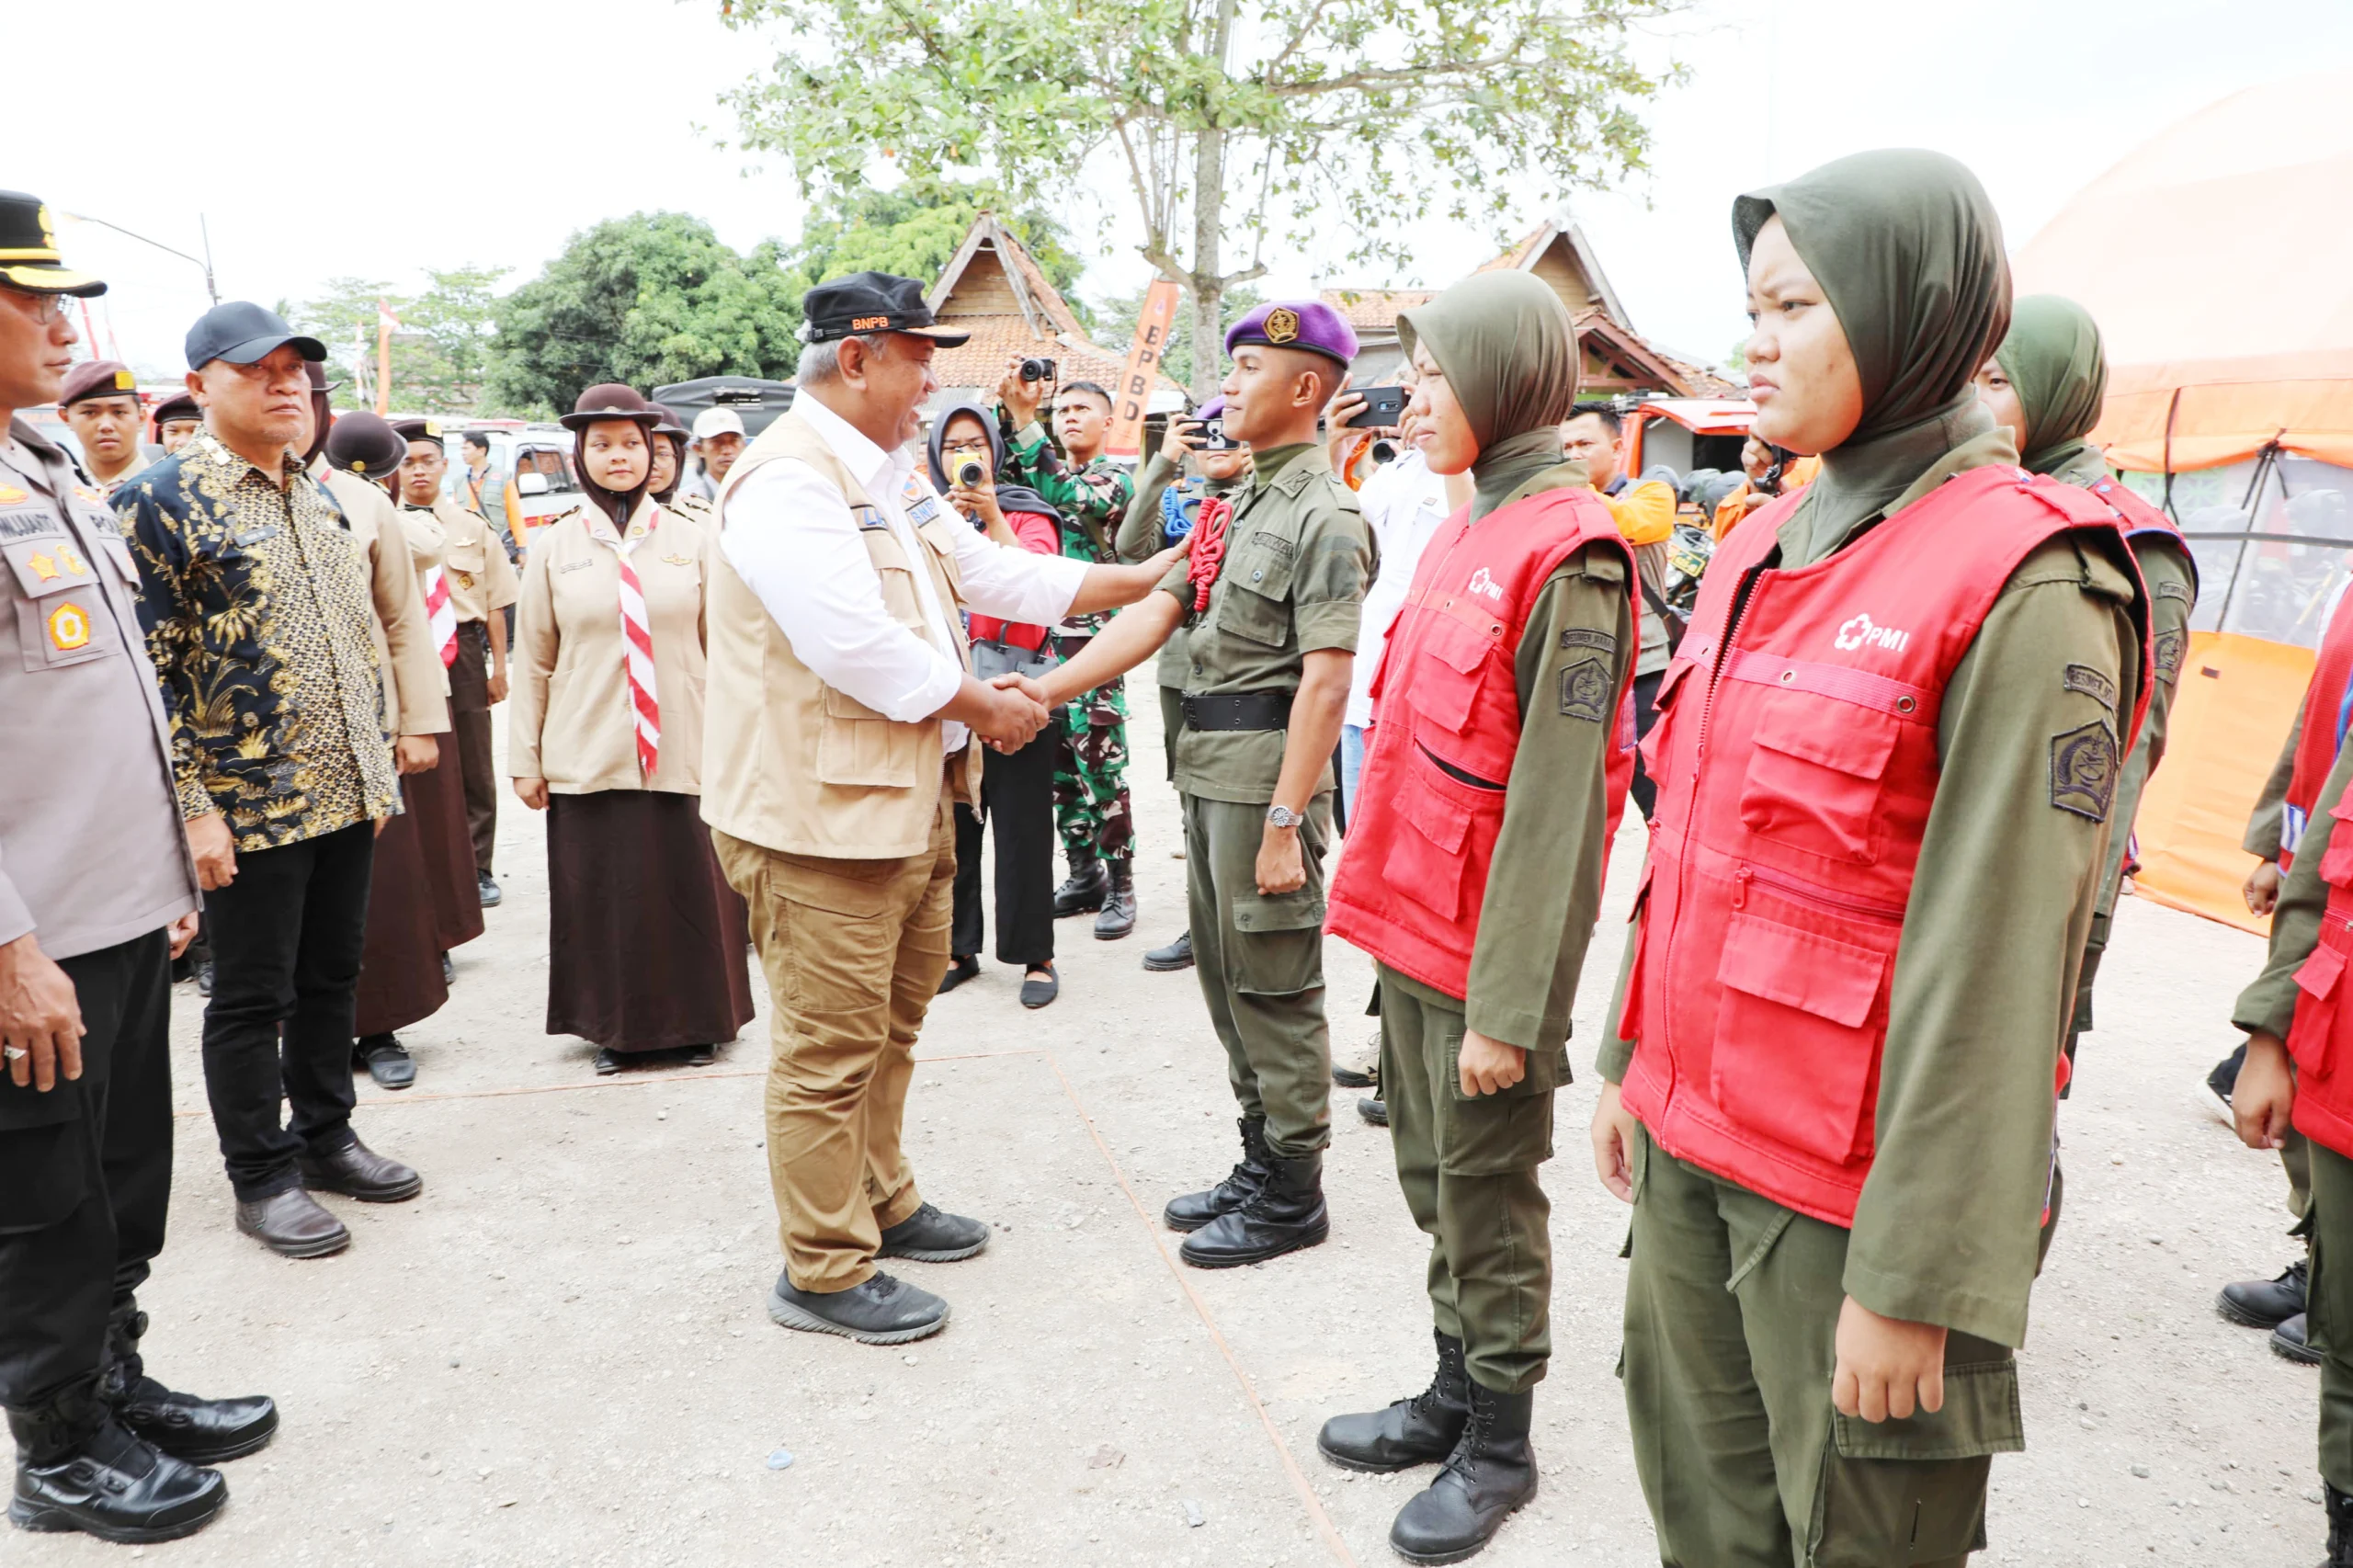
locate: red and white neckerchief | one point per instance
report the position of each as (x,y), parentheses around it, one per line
(441,614)
(637,634)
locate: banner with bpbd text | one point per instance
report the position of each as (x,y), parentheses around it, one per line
(1150,347)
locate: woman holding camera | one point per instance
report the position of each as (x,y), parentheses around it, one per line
(645,938)
(1017,788)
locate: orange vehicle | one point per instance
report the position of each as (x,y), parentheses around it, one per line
(1687,433)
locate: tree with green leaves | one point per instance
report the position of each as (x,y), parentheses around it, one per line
(439,352)
(645,299)
(914,231)
(1227,122)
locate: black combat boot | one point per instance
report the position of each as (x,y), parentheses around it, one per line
(2340,1528)
(2265,1303)
(1083,892)
(1490,1472)
(1177,955)
(1286,1213)
(1193,1209)
(1119,915)
(78,1468)
(1420,1430)
(201,1431)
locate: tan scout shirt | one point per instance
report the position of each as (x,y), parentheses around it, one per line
(573,722)
(480,577)
(414,682)
(92,853)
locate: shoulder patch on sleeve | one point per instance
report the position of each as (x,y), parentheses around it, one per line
(2092,683)
(1585,689)
(869,518)
(2167,654)
(1585,637)
(2168,588)
(2083,769)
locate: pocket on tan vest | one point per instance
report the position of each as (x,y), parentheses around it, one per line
(857,746)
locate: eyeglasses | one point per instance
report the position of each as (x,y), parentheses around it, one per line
(48,308)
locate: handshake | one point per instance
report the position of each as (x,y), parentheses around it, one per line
(1007,712)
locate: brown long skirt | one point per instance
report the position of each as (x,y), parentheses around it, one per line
(437,796)
(645,939)
(399,966)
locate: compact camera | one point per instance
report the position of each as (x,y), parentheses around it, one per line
(969,473)
(1037,369)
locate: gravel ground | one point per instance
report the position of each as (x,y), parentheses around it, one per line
(558,1353)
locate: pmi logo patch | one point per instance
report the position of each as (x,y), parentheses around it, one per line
(1484,584)
(1861,631)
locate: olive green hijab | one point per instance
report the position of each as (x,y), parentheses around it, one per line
(1908,252)
(2057,367)
(1509,352)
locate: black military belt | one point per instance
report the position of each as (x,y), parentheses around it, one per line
(1239,711)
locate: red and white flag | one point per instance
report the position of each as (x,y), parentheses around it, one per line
(441,614)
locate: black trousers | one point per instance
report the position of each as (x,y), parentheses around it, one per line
(1645,789)
(1018,795)
(86,1171)
(469,729)
(287,939)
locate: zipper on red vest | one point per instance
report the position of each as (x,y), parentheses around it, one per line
(1806,892)
(1691,815)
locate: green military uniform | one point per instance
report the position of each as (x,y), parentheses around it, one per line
(2264,828)
(1092,810)
(1298,558)
(1733,1301)
(1468,1164)
(1139,540)
(2269,1006)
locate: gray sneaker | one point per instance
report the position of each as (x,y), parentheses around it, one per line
(881,1311)
(930,1235)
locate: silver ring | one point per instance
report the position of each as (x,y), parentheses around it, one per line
(16,1053)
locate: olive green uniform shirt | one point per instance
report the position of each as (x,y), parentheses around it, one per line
(1298,559)
(2269,821)
(2001,904)
(2269,1005)
(1139,540)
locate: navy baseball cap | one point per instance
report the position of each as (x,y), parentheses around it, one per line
(242,331)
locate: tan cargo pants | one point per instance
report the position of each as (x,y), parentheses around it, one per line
(853,951)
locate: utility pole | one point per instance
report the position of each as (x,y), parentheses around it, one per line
(204,261)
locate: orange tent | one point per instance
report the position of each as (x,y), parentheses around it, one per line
(2215,257)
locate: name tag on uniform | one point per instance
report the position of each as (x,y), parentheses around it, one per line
(254,535)
(575,566)
(30,524)
(869,518)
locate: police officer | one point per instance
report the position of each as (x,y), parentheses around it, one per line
(1269,600)
(1903,701)
(1476,846)
(97,892)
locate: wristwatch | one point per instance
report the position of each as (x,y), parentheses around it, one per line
(1283,816)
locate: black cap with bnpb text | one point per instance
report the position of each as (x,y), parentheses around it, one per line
(871,301)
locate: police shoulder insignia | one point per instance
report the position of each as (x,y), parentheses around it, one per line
(2083,769)
(2092,683)
(1585,637)
(2166,653)
(1283,325)
(1585,689)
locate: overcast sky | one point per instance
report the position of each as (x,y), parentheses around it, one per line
(350,138)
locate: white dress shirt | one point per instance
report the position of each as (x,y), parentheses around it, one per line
(790,536)
(1404,503)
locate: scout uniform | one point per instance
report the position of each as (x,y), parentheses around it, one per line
(1092,809)
(1903,700)
(480,580)
(1296,557)
(94,869)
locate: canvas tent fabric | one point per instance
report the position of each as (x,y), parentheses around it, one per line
(2213,257)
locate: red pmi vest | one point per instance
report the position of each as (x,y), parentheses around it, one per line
(1796,758)
(1422,836)
(2322,1035)
(2323,731)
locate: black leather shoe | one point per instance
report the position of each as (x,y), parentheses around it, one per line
(959,970)
(292,1225)
(1420,1430)
(204,978)
(698,1055)
(1177,955)
(1119,914)
(359,1172)
(386,1060)
(201,1431)
(1083,892)
(883,1311)
(933,1236)
(78,1468)
(2265,1303)
(609,1061)
(1490,1472)
(2340,1527)
(2287,1343)
(491,896)
(449,971)
(1193,1209)
(1039,990)
(1374,1109)
(1284,1215)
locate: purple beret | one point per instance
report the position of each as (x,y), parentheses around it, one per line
(97,378)
(1213,409)
(1297,324)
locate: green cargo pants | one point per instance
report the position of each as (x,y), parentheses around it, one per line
(1468,1168)
(1261,965)
(2328,1321)
(1732,1313)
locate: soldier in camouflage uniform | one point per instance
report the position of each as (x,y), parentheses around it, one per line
(1093,495)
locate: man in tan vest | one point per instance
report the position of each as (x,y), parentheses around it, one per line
(840,718)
